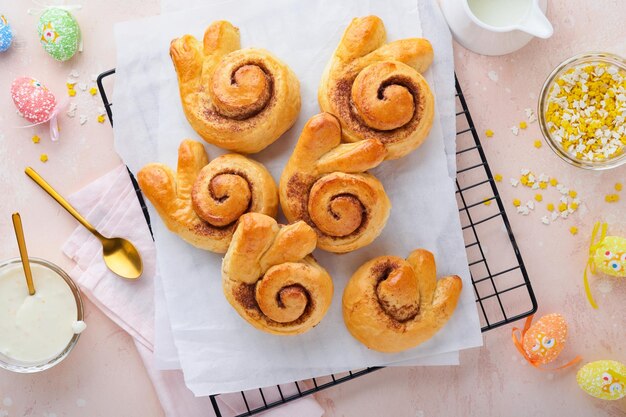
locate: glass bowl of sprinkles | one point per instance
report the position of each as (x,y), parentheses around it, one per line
(582,110)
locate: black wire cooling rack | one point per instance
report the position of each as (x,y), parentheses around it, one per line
(501,285)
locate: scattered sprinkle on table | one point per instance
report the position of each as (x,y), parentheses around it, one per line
(101,118)
(497,177)
(587,110)
(515,130)
(611,198)
(573,230)
(550,207)
(93,91)
(538,197)
(71,92)
(554,182)
(487,202)
(36,139)
(517,202)
(537,144)
(489,133)
(618,186)
(43,158)
(523,125)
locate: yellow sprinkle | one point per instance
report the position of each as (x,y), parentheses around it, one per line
(489,133)
(93,91)
(70,86)
(523,125)
(550,207)
(537,144)
(538,197)
(618,186)
(36,139)
(573,230)
(497,177)
(101,118)
(573,193)
(543,185)
(43,157)
(487,202)
(573,205)
(611,198)
(562,207)
(517,202)
(71,93)
(553,182)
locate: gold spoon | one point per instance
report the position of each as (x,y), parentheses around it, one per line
(21,244)
(120,256)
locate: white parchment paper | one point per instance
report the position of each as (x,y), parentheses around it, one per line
(218,351)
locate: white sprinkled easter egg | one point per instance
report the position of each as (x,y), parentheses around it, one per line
(6,35)
(545,339)
(59,33)
(32,99)
(603,379)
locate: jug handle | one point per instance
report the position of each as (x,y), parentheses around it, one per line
(537,24)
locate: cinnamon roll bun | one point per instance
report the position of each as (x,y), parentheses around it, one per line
(376,90)
(325,184)
(271,280)
(391,304)
(238,99)
(203,200)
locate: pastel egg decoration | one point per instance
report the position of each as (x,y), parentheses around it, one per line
(59,33)
(603,379)
(33,99)
(6,34)
(607,254)
(544,341)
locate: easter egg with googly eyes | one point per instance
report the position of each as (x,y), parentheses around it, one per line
(544,340)
(610,256)
(33,100)
(603,379)
(59,33)
(6,34)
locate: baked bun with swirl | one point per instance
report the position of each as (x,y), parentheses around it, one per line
(203,200)
(376,90)
(324,183)
(238,99)
(391,304)
(271,280)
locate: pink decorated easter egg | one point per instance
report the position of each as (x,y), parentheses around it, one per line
(545,339)
(33,100)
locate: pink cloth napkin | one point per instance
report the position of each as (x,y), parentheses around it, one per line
(111,205)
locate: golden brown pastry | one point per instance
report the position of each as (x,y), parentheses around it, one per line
(376,90)
(325,184)
(391,304)
(238,99)
(270,279)
(202,201)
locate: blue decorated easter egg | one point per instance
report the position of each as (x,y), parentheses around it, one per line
(59,33)
(6,35)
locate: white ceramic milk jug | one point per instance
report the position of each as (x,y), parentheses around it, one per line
(496,27)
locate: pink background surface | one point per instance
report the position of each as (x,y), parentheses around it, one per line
(104,375)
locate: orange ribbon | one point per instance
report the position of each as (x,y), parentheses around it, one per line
(517,341)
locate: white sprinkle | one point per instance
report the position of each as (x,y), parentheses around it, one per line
(564,214)
(514,182)
(524,171)
(554,215)
(94,77)
(535,186)
(545,220)
(74,73)
(530,204)
(83,119)
(82,86)
(72,110)
(493,76)
(70,81)
(523,210)
(79,326)
(532,118)
(529,112)
(7,401)
(80,402)
(515,130)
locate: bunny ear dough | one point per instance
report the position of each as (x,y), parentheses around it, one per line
(187,56)
(362,36)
